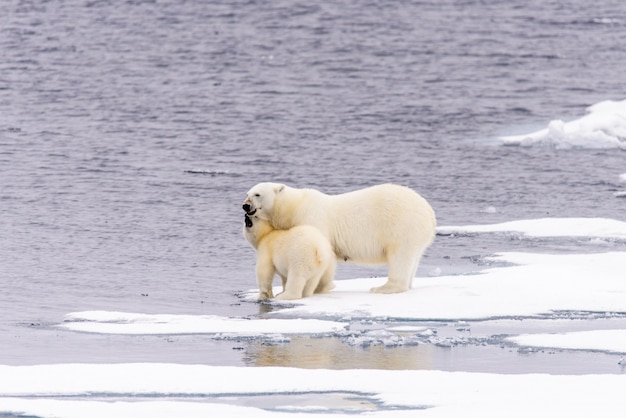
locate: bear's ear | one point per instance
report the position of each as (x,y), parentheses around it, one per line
(279,188)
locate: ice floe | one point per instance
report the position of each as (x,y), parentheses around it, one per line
(604,126)
(537,284)
(166,390)
(613,340)
(515,285)
(549,227)
(160,324)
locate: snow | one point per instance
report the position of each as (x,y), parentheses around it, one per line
(549,227)
(613,340)
(512,285)
(604,126)
(128,390)
(538,284)
(141,324)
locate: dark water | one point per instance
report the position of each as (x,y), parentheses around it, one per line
(130,132)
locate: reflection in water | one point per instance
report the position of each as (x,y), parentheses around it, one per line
(332,353)
(494,357)
(266,307)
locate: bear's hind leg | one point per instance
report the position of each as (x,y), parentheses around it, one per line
(294,287)
(326,282)
(402,268)
(310,286)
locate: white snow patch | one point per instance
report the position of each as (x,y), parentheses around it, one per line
(537,284)
(54,408)
(142,324)
(534,285)
(549,227)
(601,340)
(604,126)
(132,390)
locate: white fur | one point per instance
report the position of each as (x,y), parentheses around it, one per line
(384,224)
(301,256)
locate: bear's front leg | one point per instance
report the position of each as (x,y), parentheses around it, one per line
(265,294)
(264,276)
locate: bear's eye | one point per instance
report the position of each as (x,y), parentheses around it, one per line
(257,195)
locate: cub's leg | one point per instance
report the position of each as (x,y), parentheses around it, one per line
(294,287)
(311,285)
(326,281)
(283,280)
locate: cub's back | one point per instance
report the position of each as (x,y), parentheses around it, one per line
(299,237)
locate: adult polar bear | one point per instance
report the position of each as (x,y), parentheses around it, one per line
(383,224)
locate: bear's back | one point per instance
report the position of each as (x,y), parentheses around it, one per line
(302,245)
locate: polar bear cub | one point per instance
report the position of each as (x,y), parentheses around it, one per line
(383,224)
(301,256)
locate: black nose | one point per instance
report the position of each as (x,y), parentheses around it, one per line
(246,207)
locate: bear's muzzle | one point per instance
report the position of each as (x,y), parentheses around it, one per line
(247,207)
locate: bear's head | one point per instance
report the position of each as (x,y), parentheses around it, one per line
(254,229)
(260,199)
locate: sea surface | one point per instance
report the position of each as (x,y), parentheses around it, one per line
(130,132)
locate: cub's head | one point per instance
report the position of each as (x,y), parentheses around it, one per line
(254,229)
(260,199)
